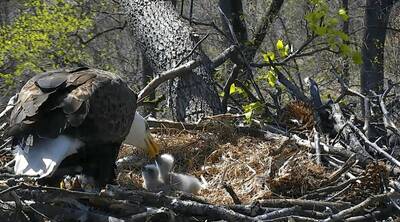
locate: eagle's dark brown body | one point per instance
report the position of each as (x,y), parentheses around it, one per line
(94,106)
(90,104)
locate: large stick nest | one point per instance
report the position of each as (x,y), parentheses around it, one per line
(247,178)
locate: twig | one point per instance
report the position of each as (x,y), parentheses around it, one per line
(304,204)
(36,211)
(227,86)
(179,206)
(372,216)
(348,135)
(321,192)
(244,58)
(360,207)
(85,42)
(350,175)
(294,218)
(251,210)
(338,193)
(152,215)
(211,24)
(10,105)
(374,145)
(293,89)
(181,70)
(193,50)
(263,26)
(10,189)
(344,168)
(289,57)
(2,126)
(347,91)
(387,120)
(317,146)
(232,193)
(280,213)
(191,12)
(230,27)
(333,150)
(8,141)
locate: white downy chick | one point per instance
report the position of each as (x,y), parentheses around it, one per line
(164,163)
(177,181)
(151,179)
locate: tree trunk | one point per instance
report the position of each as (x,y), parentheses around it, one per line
(167,41)
(372,70)
(376,20)
(345,29)
(233,9)
(147,76)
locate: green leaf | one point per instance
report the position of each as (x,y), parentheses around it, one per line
(255,106)
(271,78)
(268,56)
(279,44)
(342,35)
(287,49)
(43,31)
(250,109)
(248,115)
(232,89)
(345,50)
(320,30)
(357,58)
(343,14)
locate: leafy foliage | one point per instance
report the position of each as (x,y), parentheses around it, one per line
(270,75)
(235,90)
(251,109)
(42,36)
(324,23)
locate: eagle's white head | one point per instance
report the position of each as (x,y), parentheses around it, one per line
(140,137)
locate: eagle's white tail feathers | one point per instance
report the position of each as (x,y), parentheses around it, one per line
(45,156)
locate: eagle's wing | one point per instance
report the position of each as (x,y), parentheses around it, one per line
(73,102)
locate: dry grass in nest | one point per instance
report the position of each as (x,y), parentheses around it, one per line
(373,179)
(298,175)
(254,167)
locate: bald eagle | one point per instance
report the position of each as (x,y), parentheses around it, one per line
(72,122)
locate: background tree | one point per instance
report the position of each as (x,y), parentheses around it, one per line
(282,41)
(167,42)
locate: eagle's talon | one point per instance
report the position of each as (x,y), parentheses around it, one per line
(79,182)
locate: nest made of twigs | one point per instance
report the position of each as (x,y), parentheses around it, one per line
(255,168)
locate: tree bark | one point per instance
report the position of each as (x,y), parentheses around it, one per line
(376,19)
(262,28)
(345,29)
(147,76)
(167,41)
(233,9)
(372,70)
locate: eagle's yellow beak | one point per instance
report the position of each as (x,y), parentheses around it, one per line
(153,149)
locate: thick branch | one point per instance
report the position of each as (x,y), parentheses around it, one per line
(374,145)
(266,21)
(360,207)
(181,70)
